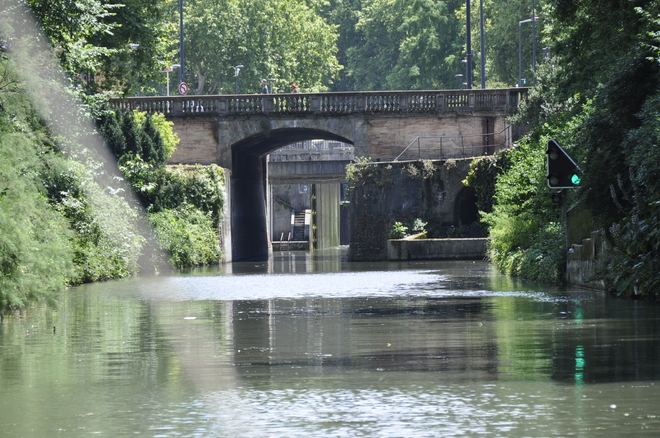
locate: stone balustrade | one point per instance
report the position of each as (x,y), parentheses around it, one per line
(373,102)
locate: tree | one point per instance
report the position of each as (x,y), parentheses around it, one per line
(93,40)
(344,14)
(503,36)
(282,39)
(408,45)
(143,42)
(600,97)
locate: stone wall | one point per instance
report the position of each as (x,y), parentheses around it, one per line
(585,249)
(393,193)
(437,249)
(197,141)
(210,139)
(582,262)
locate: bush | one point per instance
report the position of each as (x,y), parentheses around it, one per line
(167,188)
(138,134)
(399,231)
(35,251)
(526,236)
(188,235)
(418,226)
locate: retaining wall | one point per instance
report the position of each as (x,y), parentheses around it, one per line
(582,261)
(437,249)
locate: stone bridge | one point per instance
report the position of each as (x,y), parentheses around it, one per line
(237,131)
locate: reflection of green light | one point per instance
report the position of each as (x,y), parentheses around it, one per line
(579,365)
(575,179)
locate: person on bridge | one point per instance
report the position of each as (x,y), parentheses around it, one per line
(264,86)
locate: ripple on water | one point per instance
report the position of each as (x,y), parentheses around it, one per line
(328,285)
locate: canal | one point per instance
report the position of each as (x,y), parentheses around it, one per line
(313,345)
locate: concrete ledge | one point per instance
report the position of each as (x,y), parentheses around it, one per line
(436,249)
(292,245)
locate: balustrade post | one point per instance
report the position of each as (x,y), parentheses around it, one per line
(177,106)
(472,97)
(403,102)
(441,103)
(266,104)
(361,103)
(315,104)
(223,106)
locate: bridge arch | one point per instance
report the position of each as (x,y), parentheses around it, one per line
(249,230)
(236,131)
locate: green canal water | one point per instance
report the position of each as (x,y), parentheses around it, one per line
(314,346)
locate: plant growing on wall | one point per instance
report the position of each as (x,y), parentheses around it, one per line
(362,171)
(421,169)
(418,226)
(399,231)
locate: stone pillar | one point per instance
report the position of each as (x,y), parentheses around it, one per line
(327,215)
(224,232)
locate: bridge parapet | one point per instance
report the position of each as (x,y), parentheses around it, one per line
(372,102)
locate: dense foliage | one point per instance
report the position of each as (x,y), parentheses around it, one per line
(63,222)
(284,40)
(597,93)
(527,238)
(599,97)
(59,226)
(184,203)
(125,46)
(109,45)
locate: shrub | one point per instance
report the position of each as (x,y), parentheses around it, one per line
(418,226)
(399,231)
(188,235)
(35,251)
(526,238)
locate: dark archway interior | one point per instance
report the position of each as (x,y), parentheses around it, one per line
(465,207)
(248,196)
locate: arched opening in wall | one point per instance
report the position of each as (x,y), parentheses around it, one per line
(251,196)
(466,213)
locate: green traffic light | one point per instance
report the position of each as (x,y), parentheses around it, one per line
(575,179)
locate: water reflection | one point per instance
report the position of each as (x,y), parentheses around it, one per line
(316,346)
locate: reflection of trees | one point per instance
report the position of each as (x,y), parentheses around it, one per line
(607,341)
(578,338)
(316,337)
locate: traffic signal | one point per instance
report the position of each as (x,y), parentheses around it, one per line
(563,173)
(558,197)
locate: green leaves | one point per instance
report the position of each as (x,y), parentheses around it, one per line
(281,39)
(188,236)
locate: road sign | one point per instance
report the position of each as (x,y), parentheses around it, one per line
(183,88)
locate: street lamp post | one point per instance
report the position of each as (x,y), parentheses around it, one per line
(483,45)
(520,23)
(468,44)
(534,41)
(237,70)
(270,85)
(182,70)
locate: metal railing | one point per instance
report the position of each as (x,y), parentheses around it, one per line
(461,146)
(373,102)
